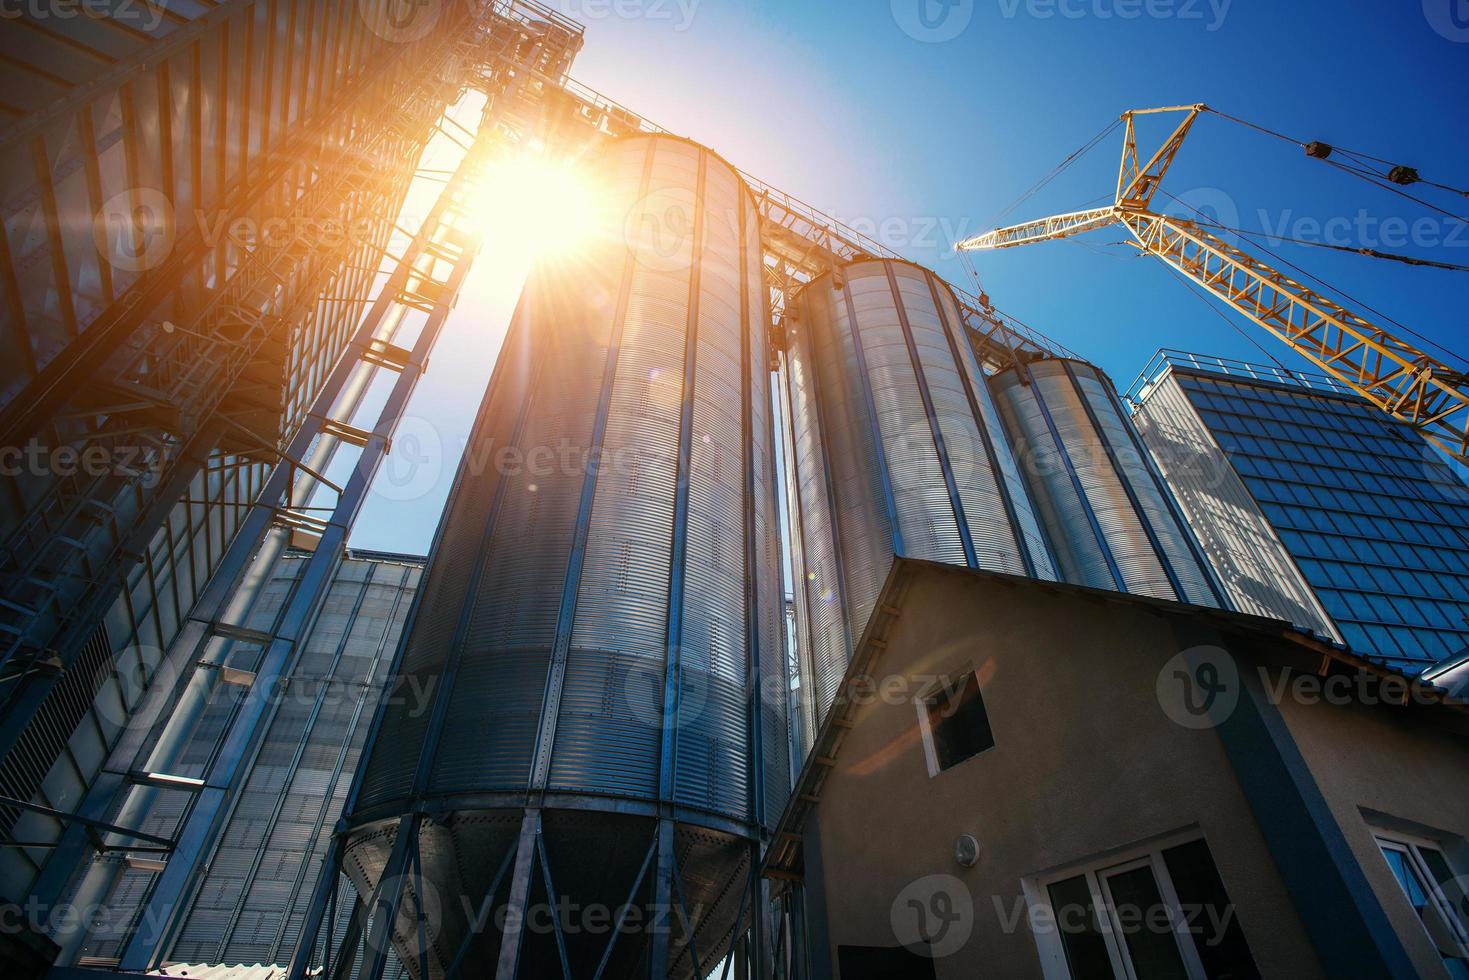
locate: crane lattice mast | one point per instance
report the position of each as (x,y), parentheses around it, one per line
(1397,377)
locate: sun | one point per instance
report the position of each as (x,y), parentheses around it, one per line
(540,206)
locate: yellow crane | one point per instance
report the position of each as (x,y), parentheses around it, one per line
(1392,374)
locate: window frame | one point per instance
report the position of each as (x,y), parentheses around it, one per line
(1095,871)
(921,704)
(1409,845)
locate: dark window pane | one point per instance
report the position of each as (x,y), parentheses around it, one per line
(1076,920)
(1210,914)
(1439,931)
(1452,887)
(1398,861)
(959,723)
(882,963)
(1146,925)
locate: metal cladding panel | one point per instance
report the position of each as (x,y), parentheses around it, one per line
(898,449)
(282,819)
(925,514)
(1261,576)
(1063,511)
(1006,458)
(557,577)
(1108,519)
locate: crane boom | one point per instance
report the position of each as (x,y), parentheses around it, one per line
(1044,230)
(1398,378)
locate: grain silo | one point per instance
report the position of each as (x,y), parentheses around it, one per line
(600,626)
(1111,519)
(898,449)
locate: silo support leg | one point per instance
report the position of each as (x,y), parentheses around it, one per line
(351,940)
(760,954)
(686,916)
(736,932)
(551,901)
(661,931)
(513,937)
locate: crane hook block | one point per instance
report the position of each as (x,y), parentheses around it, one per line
(1403,175)
(1318,150)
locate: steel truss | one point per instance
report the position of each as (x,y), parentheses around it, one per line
(1402,381)
(213,357)
(426,280)
(390,926)
(167,356)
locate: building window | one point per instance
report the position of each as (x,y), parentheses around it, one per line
(1159,914)
(1437,896)
(954,722)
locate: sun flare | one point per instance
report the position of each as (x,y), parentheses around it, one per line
(543,207)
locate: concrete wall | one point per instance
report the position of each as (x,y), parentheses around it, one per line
(1085,762)
(1388,768)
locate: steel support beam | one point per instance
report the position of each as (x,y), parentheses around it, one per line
(200,829)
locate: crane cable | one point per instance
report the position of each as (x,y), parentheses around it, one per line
(1364,170)
(1374,178)
(1250,237)
(1371,253)
(1061,167)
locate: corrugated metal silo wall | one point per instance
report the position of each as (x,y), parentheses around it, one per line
(899,450)
(1111,519)
(614,516)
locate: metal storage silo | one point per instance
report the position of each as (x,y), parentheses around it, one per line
(601,622)
(1111,519)
(898,451)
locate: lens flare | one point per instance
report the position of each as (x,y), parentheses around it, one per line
(541,207)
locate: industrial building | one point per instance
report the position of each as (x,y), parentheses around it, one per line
(1060,795)
(904,446)
(620,721)
(1314,507)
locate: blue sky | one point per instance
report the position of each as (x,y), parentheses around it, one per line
(927,129)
